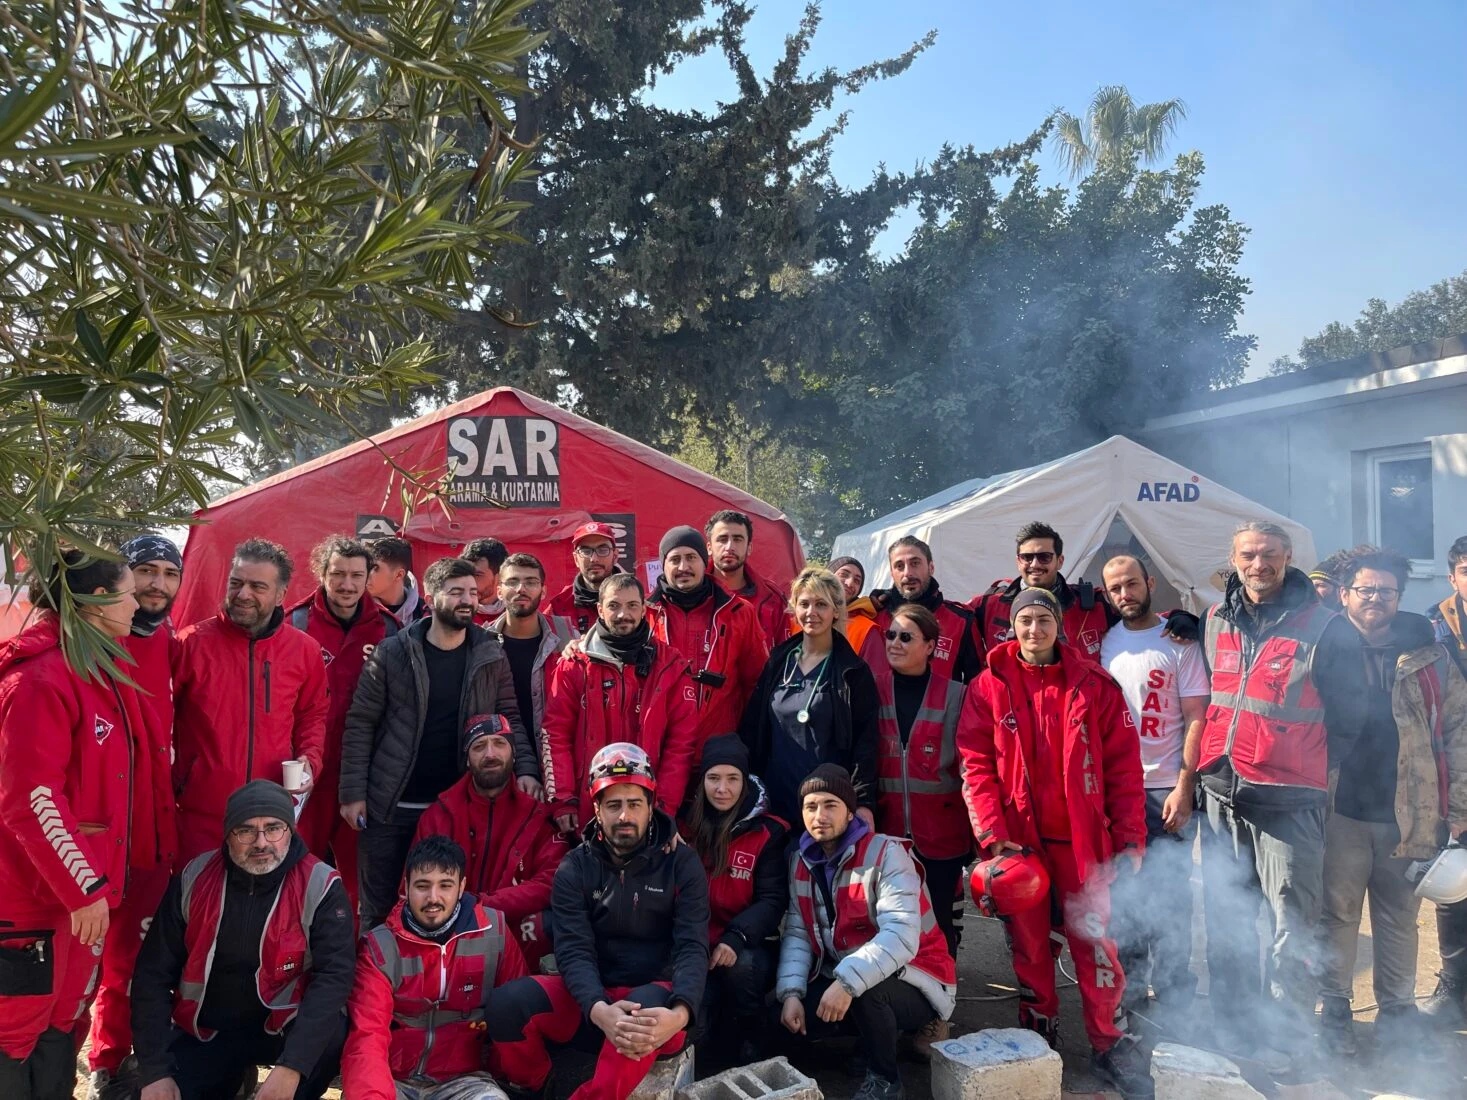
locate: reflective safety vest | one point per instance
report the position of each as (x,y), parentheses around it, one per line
(1265,715)
(285,948)
(439,994)
(855,911)
(951,629)
(920,790)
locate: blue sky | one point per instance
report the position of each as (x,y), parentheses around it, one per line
(1332,130)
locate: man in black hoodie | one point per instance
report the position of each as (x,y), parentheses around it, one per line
(248,963)
(1287,702)
(631,941)
(956,656)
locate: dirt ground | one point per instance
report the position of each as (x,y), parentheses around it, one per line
(986,999)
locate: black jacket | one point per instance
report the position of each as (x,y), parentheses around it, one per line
(385,723)
(761,918)
(643,921)
(231,1001)
(1338,671)
(856,704)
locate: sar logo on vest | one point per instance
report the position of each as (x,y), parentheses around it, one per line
(100,728)
(1011,722)
(741,865)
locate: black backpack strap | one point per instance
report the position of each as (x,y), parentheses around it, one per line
(1084,594)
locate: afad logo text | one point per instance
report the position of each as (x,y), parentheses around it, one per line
(1182,492)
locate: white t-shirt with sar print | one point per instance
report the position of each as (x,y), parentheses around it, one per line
(1155,674)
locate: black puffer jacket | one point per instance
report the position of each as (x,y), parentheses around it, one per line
(643,921)
(385,722)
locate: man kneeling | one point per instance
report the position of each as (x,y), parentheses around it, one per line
(630,910)
(863,945)
(248,963)
(418,1006)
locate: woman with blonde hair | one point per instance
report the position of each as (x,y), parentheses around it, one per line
(815,702)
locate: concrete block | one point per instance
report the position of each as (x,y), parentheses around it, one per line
(1186,1073)
(996,1064)
(666,1077)
(774,1079)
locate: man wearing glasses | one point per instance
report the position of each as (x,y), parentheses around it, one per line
(1395,800)
(593,547)
(530,643)
(248,963)
(1287,702)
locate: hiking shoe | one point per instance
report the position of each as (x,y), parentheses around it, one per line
(1127,1067)
(877,1087)
(934,1030)
(1337,1026)
(1446,1008)
(1043,1026)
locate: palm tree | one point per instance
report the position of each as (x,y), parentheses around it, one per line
(1114,128)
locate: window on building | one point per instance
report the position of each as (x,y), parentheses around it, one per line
(1400,501)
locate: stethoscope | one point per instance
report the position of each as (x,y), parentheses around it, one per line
(803,715)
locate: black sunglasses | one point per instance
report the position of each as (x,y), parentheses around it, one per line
(905,635)
(1041,557)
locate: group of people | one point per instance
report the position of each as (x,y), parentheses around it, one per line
(422,834)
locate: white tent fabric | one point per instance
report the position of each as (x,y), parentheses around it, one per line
(1183,522)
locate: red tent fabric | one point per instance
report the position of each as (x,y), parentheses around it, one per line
(554,470)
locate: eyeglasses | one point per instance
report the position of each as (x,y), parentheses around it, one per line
(1369,593)
(245,834)
(1039,557)
(905,635)
(522,582)
(605,551)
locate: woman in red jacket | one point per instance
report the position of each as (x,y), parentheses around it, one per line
(742,848)
(1052,765)
(69,746)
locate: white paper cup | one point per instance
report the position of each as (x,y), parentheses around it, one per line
(294,774)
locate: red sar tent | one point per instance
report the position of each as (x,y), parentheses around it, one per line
(554,470)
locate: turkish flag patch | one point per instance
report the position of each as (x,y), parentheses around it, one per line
(1229,661)
(741,861)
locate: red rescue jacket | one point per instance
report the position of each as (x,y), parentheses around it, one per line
(512,846)
(418,1009)
(1087,615)
(243,705)
(953,659)
(595,700)
(154,841)
(285,947)
(722,636)
(1102,781)
(920,791)
(67,752)
(570,621)
(771,605)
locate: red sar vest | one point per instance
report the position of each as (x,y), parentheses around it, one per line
(1265,714)
(920,792)
(285,949)
(855,911)
(730,893)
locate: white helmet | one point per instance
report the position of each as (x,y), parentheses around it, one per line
(1444,879)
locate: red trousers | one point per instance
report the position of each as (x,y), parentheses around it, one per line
(531,1018)
(112,1014)
(329,837)
(61,1001)
(1080,914)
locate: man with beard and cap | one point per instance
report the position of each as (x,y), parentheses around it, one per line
(348,624)
(400,748)
(423,986)
(391,582)
(510,839)
(631,943)
(860,611)
(1400,793)
(718,634)
(621,684)
(1288,699)
(729,536)
(1165,685)
(530,643)
(248,963)
(956,657)
(157,570)
(593,547)
(486,555)
(250,692)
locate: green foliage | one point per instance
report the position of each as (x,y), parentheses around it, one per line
(1431,314)
(218,221)
(1114,130)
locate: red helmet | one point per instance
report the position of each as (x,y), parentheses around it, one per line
(621,762)
(1009,883)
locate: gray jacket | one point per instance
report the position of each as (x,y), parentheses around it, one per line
(898,890)
(551,644)
(385,722)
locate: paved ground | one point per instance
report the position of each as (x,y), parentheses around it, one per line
(987,1000)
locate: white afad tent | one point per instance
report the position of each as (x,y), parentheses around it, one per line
(1114,497)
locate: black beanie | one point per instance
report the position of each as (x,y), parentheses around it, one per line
(837,563)
(690,537)
(831,778)
(726,749)
(484,725)
(146,548)
(259,798)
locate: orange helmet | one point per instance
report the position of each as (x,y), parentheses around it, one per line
(621,762)
(1009,883)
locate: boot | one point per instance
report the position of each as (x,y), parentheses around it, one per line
(934,1030)
(1126,1066)
(877,1087)
(1042,1025)
(1337,1026)
(1446,1008)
